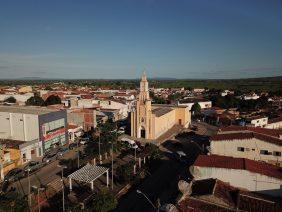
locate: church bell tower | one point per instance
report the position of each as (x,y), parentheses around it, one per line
(141,120)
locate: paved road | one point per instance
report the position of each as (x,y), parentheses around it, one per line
(162,183)
(44,176)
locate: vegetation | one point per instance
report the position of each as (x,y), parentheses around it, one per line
(10,99)
(196,109)
(273,84)
(53,100)
(13,202)
(125,172)
(104,201)
(243,105)
(35,101)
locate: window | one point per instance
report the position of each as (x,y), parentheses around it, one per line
(275,153)
(264,152)
(241,149)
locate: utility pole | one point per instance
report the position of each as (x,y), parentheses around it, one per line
(63,187)
(29,199)
(77,154)
(99,145)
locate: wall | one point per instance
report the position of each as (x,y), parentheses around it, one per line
(229,148)
(5,130)
(241,178)
(276,125)
(164,123)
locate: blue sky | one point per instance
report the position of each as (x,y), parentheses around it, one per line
(122,38)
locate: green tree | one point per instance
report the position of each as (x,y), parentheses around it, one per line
(52,100)
(12,201)
(10,99)
(125,172)
(196,109)
(49,88)
(35,100)
(104,201)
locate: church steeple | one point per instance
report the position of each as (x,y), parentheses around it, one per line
(144,88)
(144,77)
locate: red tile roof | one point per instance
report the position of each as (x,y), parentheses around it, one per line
(271,132)
(239,163)
(270,121)
(232,197)
(245,136)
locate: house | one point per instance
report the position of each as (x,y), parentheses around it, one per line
(257,121)
(74,132)
(191,101)
(240,172)
(83,117)
(275,123)
(245,142)
(251,96)
(214,195)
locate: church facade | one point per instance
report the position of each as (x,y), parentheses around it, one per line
(151,121)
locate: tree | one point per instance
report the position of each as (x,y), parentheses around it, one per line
(49,88)
(196,109)
(52,100)
(35,100)
(104,201)
(10,99)
(125,172)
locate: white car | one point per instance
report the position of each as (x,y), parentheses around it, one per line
(131,143)
(84,141)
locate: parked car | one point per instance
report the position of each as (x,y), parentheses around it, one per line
(180,156)
(84,141)
(73,145)
(131,143)
(49,157)
(32,166)
(62,151)
(121,130)
(14,174)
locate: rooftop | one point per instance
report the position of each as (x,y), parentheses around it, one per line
(245,136)
(26,109)
(218,161)
(270,132)
(160,111)
(215,195)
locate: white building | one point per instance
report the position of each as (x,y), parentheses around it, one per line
(122,107)
(40,128)
(239,172)
(21,98)
(258,121)
(275,123)
(226,92)
(252,96)
(250,145)
(190,102)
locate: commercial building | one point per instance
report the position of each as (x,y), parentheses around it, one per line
(40,128)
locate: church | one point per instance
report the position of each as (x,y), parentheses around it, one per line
(150,121)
